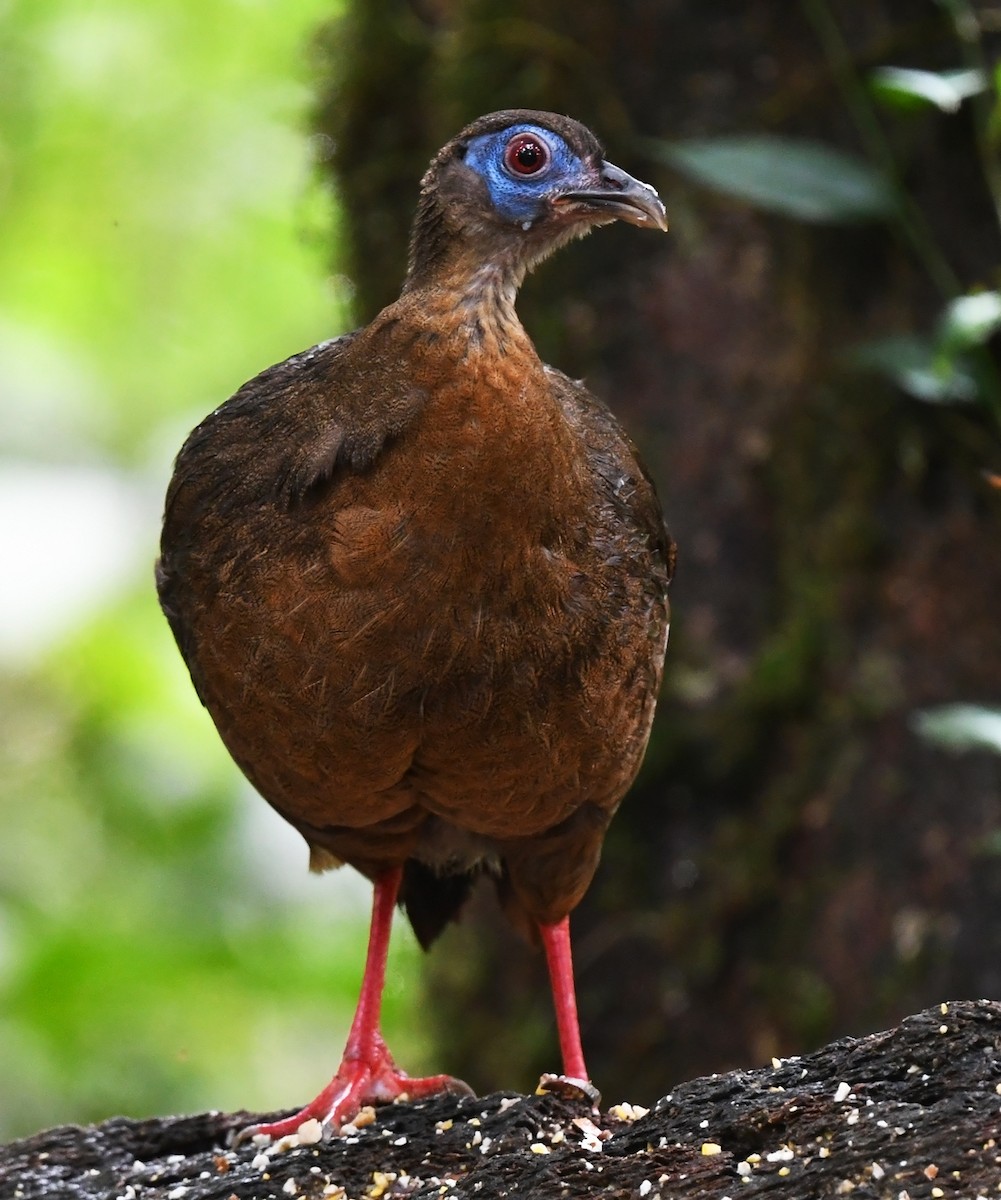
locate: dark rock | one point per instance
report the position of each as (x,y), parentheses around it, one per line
(911,1112)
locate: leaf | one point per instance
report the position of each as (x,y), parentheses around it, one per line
(971,320)
(802,179)
(946,90)
(918,367)
(961,727)
(937,370)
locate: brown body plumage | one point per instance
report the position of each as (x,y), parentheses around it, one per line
(419,578)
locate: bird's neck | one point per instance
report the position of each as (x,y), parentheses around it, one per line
(473,295)
(485,301)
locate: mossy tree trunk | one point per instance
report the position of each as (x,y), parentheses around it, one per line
(794,863)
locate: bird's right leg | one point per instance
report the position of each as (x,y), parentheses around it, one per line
(367,1074)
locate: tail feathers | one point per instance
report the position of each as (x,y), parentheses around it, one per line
(431,900)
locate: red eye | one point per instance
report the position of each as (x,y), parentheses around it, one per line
(525,154)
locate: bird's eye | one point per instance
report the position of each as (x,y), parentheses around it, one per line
(526,154)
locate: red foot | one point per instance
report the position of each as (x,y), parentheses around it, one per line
(367,1074)
(374,1079)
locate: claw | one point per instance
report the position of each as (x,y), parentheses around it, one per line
(367,1074)
(374,1080)
(569,1089)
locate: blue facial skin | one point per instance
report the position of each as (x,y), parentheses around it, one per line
(518,198)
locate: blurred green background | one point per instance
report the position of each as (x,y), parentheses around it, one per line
(162,238)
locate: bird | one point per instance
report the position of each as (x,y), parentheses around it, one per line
(419,579)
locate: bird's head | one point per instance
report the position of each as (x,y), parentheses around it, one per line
(515,185)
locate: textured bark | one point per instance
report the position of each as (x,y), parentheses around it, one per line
(794,863)
(892,1115)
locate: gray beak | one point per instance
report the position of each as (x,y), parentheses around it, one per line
(621,197)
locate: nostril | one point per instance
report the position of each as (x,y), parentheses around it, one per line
(614,177)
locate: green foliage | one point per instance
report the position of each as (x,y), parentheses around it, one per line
(807,181)
(961,727)
(970,321)
(944,368)
(151,177)
(161,240)
(906,88)
(796,178)
(917,366)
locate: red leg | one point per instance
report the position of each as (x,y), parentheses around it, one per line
(556,939)
(367,1074)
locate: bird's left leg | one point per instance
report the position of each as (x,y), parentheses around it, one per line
(575,1079)
(367,1074)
